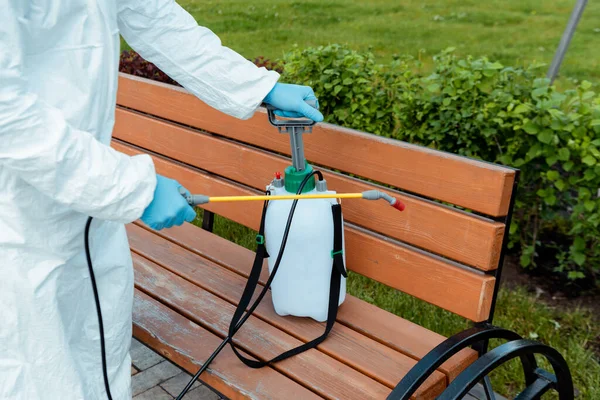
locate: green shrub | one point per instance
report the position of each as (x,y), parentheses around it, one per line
(481,109)
(130,62)
(353,90)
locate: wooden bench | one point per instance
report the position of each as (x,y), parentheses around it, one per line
(188,280)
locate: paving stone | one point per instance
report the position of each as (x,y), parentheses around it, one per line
(175,385)
(201,393)
(142,357)
(133,370)
(153,376)
(479,393)
(156,393)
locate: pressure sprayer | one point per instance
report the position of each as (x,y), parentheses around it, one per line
(307,277)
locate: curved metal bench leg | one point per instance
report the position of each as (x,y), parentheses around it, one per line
(496,357)
(487,388)
(536,389)
(445,350)
(488,391)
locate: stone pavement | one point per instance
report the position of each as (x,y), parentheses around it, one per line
(155,378)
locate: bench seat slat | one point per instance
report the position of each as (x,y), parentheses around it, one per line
(463,292)
(472,184)
(189,345)
(395,332)
(367,356)
(313,369)
(457,235)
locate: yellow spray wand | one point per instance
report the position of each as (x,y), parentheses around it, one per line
(197,199)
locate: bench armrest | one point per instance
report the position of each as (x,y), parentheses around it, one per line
(445,350)
(562,381)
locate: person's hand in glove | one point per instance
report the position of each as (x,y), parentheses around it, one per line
(289,100)
(168,207)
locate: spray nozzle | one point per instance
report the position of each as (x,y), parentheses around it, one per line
(376,195)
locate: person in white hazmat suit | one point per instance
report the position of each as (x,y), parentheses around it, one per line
(58,81)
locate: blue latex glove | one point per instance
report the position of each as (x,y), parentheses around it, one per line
(289,100)
(168,207)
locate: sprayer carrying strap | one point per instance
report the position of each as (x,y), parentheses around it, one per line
(252,283)
(337,271)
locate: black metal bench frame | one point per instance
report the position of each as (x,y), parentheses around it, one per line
(537,380)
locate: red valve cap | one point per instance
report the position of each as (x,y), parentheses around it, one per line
(277,175)
(398,205)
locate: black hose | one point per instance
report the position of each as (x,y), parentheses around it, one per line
(262,293)
(236,328)
(98,309)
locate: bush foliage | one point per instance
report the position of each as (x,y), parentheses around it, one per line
(482,109)
(132,63)
(477,108)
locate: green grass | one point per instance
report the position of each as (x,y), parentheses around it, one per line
(511,31)
(572,333)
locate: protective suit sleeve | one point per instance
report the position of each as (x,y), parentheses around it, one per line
(67,165)
(162,32)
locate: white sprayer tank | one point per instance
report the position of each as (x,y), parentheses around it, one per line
(301,285)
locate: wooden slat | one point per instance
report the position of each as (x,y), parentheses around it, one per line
(313,369)
(472,184)
(363,354)
(466,238)
(435,281)
(463,292)
(384,327)
(189,345)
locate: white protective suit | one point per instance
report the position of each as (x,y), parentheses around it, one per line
(58,82)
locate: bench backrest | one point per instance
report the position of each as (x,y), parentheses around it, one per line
(436,252)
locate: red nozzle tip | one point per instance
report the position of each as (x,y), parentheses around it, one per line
(277,175)
(398,205)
